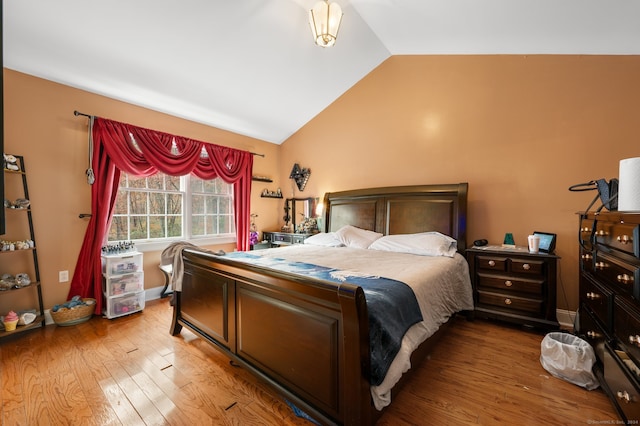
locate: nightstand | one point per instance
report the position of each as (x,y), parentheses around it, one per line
(511,284)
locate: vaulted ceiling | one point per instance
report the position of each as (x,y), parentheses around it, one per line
(251,67)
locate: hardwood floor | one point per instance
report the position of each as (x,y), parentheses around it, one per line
(131,371)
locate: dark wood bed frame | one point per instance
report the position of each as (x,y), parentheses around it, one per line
(309,338)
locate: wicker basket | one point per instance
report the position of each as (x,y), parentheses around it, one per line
(75,315)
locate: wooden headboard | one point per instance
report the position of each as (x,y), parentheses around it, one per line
(401,210)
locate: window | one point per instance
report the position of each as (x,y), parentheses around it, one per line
(161,207)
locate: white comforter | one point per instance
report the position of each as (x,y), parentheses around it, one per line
(441,284)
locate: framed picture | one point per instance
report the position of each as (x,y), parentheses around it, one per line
(547,241)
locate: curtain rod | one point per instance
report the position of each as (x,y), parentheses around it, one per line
(77,113)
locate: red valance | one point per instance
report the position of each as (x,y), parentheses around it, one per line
(121,147)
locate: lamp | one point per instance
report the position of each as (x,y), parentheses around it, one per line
(325,20)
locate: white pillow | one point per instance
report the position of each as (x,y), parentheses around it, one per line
(423,244)
(326,239)
(356,237)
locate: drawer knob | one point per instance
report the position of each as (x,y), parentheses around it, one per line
(624,279)
(601,233)
(592,334)
(624,239)
(492,263)
(600,265)
(585,229)
(634,340)
(508,283)
(592,296)
(624,396)
(507,301)
(526,266)
(587,256)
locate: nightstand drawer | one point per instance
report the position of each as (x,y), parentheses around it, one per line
(510,284)
(510,303)
(492,263)
(527,266)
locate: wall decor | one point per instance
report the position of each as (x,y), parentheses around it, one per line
(300,176)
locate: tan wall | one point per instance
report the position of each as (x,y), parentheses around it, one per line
(519,129)
(40,125)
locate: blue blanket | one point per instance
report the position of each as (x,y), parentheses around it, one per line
(391,304)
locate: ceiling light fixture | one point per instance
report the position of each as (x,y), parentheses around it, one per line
(325,20)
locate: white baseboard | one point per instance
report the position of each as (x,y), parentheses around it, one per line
(149,294)
(566,318)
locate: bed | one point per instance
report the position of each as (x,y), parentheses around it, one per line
(308,334)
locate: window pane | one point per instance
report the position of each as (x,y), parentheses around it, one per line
(121,203)
(156,181)
(174,226)
(173,183)
(156,227)
(138,203)
(210,186)
(222,187)
(225,205)
(212,224)
(195,184)
(156,203)
(137,182)
(223,225)
(197,225)
(174,204)
(138,228)
(197,204)
(212,205)
(118,230)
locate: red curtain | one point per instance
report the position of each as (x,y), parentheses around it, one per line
(142,152)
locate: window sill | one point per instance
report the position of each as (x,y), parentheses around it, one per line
(150,246)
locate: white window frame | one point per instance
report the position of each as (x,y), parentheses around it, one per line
(160,244)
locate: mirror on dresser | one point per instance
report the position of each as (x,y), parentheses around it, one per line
(297,211)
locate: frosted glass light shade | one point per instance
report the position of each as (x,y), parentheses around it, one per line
(324,20)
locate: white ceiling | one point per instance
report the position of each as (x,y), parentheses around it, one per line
(250,66)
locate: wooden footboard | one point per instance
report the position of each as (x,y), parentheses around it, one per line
(307,338)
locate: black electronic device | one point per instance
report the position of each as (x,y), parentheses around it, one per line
(480,243)
(547,241)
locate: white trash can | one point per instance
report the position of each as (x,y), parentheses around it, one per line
(570,358)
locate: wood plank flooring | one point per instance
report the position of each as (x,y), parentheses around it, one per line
(131,371)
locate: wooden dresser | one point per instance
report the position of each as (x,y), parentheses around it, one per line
(514,285)
(609,310)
